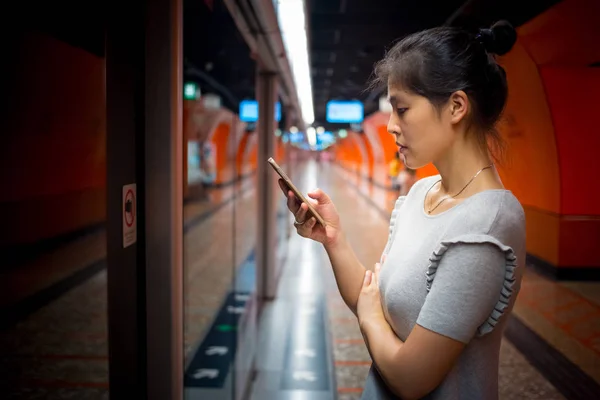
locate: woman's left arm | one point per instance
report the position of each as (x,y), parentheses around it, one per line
(414,368)
(465,290)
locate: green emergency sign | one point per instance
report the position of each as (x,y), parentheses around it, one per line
(190,91)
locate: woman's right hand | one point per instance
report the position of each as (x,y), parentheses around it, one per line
(307,225)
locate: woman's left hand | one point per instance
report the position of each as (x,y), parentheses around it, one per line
(368,307)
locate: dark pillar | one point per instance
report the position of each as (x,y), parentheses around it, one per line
(144,147)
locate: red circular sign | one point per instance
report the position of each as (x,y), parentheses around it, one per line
(129,215)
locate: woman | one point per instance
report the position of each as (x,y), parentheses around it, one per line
(433,314)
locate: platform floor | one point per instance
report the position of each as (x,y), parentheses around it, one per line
(53,340)
(53,343)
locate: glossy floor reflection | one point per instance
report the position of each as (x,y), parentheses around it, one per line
(53,342)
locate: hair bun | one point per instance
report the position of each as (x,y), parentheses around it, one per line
(498,39)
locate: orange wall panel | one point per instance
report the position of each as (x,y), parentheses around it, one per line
(428,170)
(578,244)
(574,98)
(250,153)
(55,139)
(530,169)
(369,152)
(43,217)
(542,234)
(354,152)
(220,139)
(566,34)
(280,151)
(358,153)
(253,155)
(241,152)
(387,143)
(53,155)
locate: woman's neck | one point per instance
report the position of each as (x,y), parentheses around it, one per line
(460,164)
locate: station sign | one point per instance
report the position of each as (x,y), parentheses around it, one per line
(249,111)
(345,112)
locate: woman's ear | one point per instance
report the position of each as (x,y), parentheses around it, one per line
(459,106)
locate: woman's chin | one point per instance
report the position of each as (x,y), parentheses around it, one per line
(412,163)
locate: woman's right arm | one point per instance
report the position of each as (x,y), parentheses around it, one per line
(348,271)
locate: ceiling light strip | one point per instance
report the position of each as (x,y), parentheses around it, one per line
(292,22)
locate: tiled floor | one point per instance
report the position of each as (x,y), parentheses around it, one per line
(564,318)
(60,351)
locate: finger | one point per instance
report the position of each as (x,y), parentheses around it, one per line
(368,277)
(300,230)
(301,213)
(283,186)
(292,202)
(377,271)
(305,230)
(319,196)
(313,203)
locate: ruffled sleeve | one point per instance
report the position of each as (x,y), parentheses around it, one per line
(471,282)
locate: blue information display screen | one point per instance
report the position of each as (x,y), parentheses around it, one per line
(249,111)
(325,140)
(345,112)
(297,137)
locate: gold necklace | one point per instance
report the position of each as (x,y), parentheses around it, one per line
(451,197)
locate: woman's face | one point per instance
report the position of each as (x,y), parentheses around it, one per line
(422,132)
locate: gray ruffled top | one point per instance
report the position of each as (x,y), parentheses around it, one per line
(456,273)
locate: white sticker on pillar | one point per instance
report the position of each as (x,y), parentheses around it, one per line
(129,207)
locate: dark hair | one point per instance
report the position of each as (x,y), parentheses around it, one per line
(438,62)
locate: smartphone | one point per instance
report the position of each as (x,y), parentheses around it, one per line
(293,188)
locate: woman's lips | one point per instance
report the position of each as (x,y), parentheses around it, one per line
(402,148)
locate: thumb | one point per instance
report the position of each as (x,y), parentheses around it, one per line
(376,273)
(368,278)
(319,196)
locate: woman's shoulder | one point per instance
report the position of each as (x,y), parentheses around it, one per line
(509,222)
(495,206)
(492,210)
(495,212)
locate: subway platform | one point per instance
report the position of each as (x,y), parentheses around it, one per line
(53,339)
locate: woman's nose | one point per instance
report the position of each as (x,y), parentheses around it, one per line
(393,128)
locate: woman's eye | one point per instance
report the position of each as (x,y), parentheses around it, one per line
(401,110)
